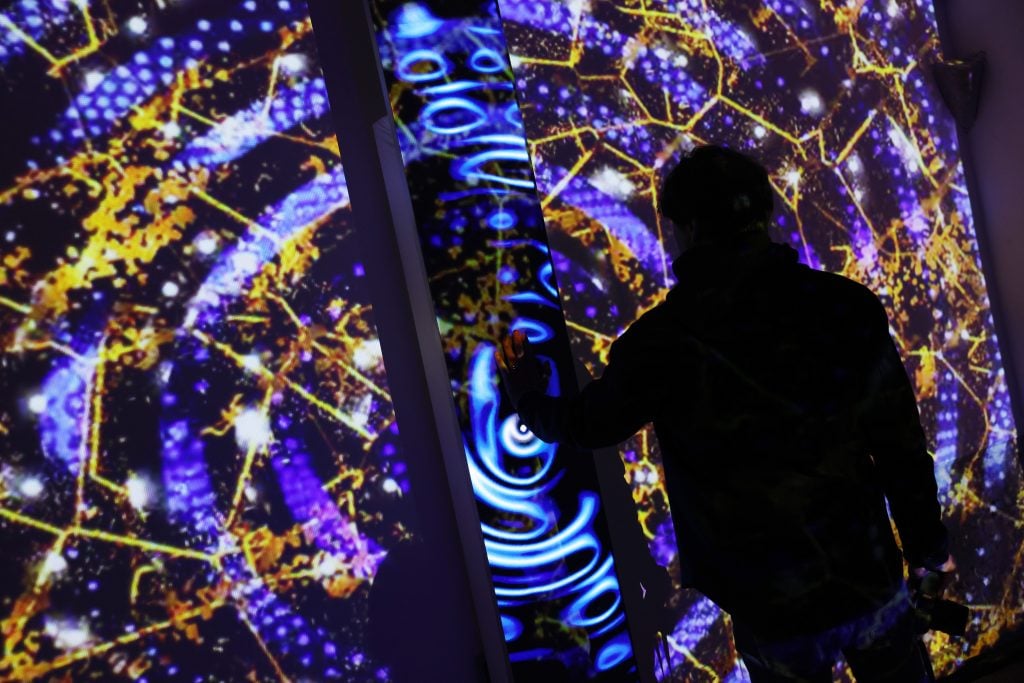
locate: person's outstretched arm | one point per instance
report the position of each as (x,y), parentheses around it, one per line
(607,411)
(898,445)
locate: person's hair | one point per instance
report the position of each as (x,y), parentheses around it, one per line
(720,192)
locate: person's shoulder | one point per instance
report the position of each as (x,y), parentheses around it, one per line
(843,292)
(656,319)
(656,328)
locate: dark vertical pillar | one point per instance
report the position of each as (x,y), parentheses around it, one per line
(404,313)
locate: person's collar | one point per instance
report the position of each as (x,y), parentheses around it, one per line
(717,262)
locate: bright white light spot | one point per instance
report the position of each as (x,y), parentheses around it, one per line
(293,63)
(916,223)
(68,635)
(810,102)
(31,487)
(893,9)
(93,79)
(361,414)
(137,25)
(390,486)
(138,491)
(170,289)
(171,129)
(793,176)
(252,362)
(252,429)
(577,7)
(854,164)
(37,403)
(328,566)
(759,132)
(367,355)
(251,494)
(246,262)
(613,183)
(206,243)
(905,148)
(416,21)
(53,564)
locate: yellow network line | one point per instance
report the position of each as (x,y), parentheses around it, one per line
(105,536)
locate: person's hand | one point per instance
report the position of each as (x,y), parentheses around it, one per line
(520,369)
(933,581)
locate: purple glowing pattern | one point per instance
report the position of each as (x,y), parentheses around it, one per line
(836,99)
(199,476)
(27,21)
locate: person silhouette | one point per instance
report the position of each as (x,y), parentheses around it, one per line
(786,421)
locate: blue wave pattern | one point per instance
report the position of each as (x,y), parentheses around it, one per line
(479,215)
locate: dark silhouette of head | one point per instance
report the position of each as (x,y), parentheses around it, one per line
(717,195)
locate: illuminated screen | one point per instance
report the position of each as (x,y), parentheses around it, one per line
(836,99)
(199,473)
(487,258)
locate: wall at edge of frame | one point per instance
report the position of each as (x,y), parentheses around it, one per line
(994,150)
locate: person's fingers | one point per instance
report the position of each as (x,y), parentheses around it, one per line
(499,358)
(519,343)
(506,346)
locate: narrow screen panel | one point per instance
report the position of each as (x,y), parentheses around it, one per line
(487,258)
(199,473)
(836,100)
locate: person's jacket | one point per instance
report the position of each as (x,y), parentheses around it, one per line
(784,415)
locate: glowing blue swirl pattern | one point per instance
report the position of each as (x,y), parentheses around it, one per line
(544,537)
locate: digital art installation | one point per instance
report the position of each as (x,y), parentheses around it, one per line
(199,474)
(836,99)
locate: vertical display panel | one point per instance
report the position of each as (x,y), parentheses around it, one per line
(199,469)
(835,98)
(485,249)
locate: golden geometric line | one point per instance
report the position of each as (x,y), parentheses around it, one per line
(263,647)
(754,116)
(250,456)
(564,182)
(143,544)
(28,40)
(14,305)
(856,138)
(217,204)
(64,660)
(327,351)
(105,536)
(339,415)
(587,331)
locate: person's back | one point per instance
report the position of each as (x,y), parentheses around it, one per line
(763,372)
(783,413)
